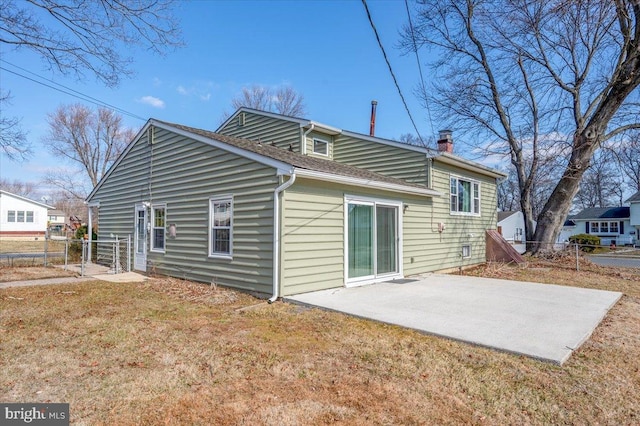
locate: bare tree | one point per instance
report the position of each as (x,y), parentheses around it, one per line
(82,38)
(69,204)
(287,101)
(89,140)
(411,139)
(89,36)
(629,160)
(13,140)
(25,189)
(532,77)
(282,100)
(602,183)
(508,193)
(256,97)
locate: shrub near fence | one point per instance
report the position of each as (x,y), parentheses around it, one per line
(587,242)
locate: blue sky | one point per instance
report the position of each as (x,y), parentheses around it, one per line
(326,50)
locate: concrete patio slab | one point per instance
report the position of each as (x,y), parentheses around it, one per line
(543,321)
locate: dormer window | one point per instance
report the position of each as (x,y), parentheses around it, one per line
(320,147)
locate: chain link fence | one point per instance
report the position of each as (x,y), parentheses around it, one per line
(114,253)
(580,251)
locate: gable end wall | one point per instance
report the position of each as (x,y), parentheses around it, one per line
(266,129)
(184,175)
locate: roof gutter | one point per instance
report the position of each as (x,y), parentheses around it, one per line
(276,236)
(367,183)
(468,165)
(303,142)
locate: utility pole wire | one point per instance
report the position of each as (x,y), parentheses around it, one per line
(415,50)
(384,53)
(67,90)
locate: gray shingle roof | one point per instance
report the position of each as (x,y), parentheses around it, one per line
(295,159)
(634,198)
(503,215)
(603,213)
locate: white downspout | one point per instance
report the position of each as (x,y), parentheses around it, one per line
(89,231)
(276,236)
(303,148)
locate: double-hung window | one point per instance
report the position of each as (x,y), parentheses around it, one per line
(221,227)
(159,215)
(613,227)
(464,196)
(11,216)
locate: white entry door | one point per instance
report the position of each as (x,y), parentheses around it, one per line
(140,239)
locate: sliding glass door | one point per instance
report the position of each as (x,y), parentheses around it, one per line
(360,235)
(372,240)
(386,229)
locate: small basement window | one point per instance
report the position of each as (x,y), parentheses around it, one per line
(320,147)
(466,251)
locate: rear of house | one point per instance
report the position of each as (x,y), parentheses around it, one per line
(263,216)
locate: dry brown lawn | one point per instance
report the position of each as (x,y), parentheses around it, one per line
(174,352)
(32,273)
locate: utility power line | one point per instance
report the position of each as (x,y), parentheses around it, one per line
(415,50)
(395,80)
(66,90)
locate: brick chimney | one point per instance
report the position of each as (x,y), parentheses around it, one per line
(445,141)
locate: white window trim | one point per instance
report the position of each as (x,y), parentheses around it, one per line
(155,207)
(210,253)
(599,223)
(326,142)
(473,182)
(463,250)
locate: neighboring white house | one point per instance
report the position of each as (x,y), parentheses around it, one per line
(22,217)
(56,217)
(611,224)
(511,227)
(634,214)
(568,229)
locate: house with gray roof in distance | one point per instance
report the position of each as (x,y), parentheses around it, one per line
(281,205)
(611,224)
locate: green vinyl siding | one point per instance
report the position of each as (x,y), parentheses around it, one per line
(184,175)
(321,136)
(385,159)
(313,231)
(312,237)
(268,130)
(460,230)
